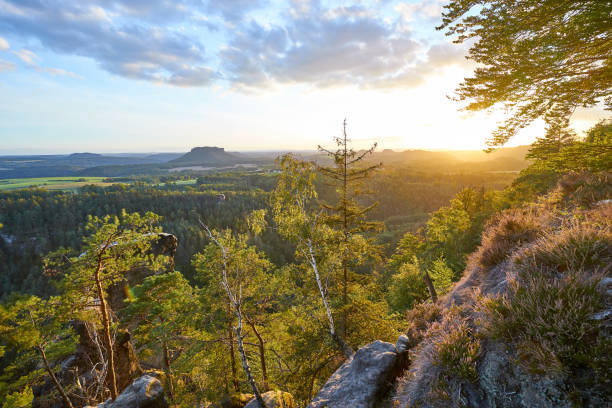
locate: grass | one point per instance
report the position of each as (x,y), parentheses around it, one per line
(52,183)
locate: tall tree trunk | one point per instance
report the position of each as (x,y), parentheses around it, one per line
(245,363)
(59,387)
(262,354)
(107,333)
(345,231)
(230,334)
(345,348)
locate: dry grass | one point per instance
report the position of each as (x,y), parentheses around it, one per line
(579,247)
(506,232)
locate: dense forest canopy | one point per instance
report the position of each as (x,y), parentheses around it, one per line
(224,285)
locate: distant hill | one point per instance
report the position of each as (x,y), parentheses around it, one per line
(84,156)
(206,156)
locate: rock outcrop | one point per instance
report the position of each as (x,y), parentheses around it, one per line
(274,399)
(145,392)
(364,378)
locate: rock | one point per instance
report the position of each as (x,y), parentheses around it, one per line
(233,401)
(505,384)
(402,344)
(361,379)
(145,392)
(274,399)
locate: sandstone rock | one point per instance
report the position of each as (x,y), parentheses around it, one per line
(274,399)
(360,380)
(145,392)
(402,344)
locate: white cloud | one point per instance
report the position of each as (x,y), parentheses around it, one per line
(427,9)
(4,45)
(26,56)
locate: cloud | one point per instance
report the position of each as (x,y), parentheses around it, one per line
(6,66)
(100,30)
(323,47)
(426,9)
(30,58)
(234,10)
(26,56)
(299,42)
(4,45)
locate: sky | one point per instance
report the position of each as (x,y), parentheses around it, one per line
(168,75)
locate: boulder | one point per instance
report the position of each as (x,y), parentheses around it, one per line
(145,392)
(359,382)
(274,399)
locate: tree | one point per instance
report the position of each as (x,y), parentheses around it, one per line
(539,58)
(34,324)
(558,137)
(116,245)
(346,215)
(164,308)
(239,267)
(299,219)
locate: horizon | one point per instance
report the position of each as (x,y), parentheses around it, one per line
(126,153)
(249,76)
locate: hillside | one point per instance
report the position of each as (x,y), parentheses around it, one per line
(529,323)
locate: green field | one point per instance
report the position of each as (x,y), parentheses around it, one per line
(52,183)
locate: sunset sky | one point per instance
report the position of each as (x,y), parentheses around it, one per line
(167,75)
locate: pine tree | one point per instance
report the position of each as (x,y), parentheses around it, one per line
(115,246)
(346,215)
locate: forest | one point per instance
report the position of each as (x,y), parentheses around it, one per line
(289,285)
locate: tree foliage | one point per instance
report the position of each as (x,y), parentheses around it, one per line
(537,58)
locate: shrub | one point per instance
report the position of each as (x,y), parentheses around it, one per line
(419,318)
(551,321)
(456,351)
(574,248)
(507,231)
(585,189)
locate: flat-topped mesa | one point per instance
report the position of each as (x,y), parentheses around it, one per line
(206,155)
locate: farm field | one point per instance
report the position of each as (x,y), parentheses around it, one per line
(52,183)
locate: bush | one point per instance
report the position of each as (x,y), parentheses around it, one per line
(456,352)
(585,189)
(509,230)
(574,248)
(551,321)
(419,318)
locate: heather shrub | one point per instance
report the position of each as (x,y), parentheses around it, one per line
(456,352)
(574,248)
(551,322)
(419,318)
(505,232)
(585,189)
